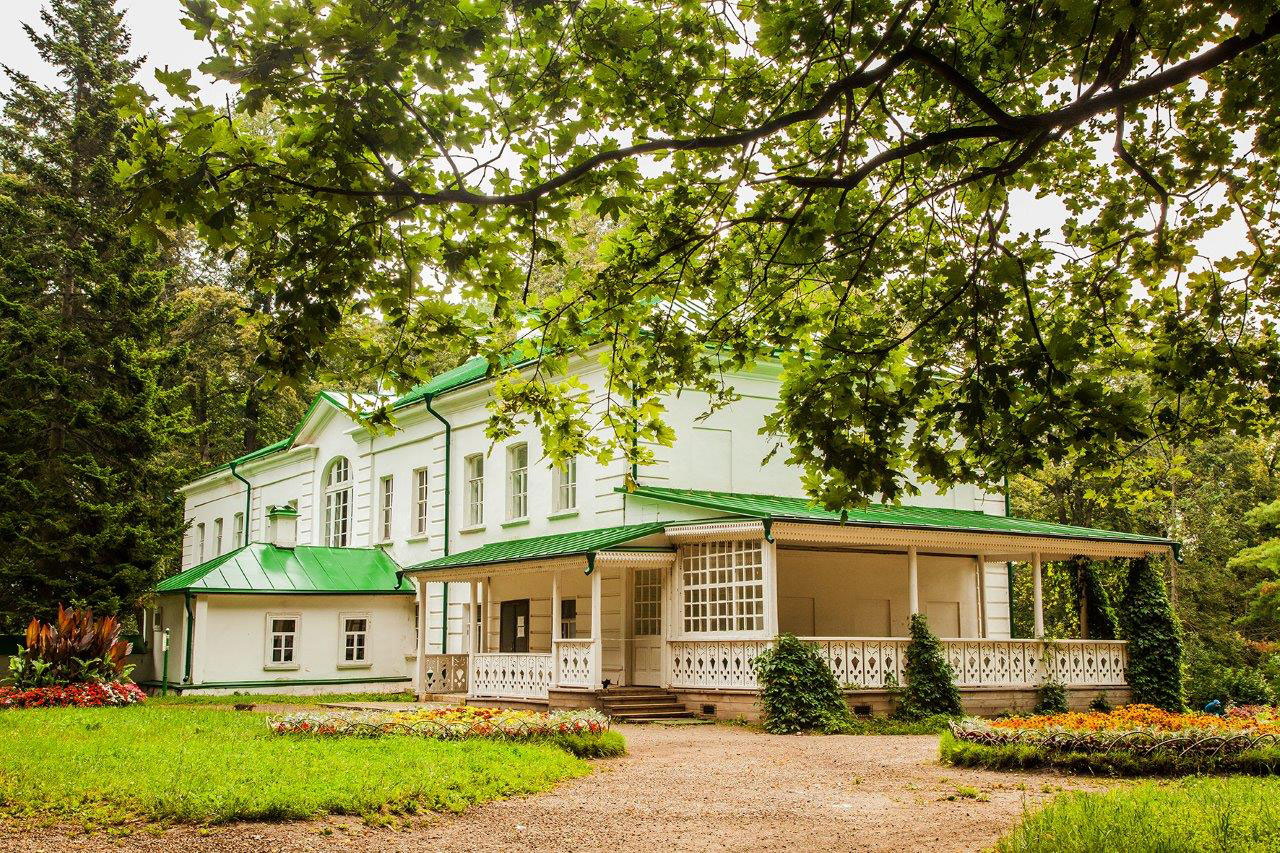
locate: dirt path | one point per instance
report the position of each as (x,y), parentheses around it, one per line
(693,788)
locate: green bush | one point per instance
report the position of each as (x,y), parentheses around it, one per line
(1232,686)
(1026,756)
(1154,670)
(1051,698)
(890,726)
(797,690)
(606,744)
(1100,617)
(931,687)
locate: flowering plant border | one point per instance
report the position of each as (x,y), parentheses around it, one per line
(1184,743)
(457,723)
(91,694)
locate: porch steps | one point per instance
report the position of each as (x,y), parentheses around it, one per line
(643,705)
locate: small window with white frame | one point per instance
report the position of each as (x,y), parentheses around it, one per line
(517,481)
(238,530)
(421,502)
(217,536)
(564,479)
(199,543)
(354,648)
(386,494)
(474,470)
(282,640)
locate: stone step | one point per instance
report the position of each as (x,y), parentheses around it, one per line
(632,707)
(648,716)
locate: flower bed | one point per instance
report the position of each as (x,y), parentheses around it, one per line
(453,723)
(105,694)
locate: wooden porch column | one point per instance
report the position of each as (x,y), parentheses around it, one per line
(555,627)
(473,620)
(983,628)
(597,647)
(422,638)
(769,556)
(1037,595)
(913,581)
(486,613)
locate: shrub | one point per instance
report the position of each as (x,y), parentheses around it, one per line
(798,691)
(75,648)
(1101,704)
(1099,616)
(931,687)
(1154,670)
(606,744)
(1234,686)
(1051,698)
(99,694)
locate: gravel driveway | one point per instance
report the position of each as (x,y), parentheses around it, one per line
(689,788)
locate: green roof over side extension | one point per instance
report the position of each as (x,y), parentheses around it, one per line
(887,515)
(545,547)
(306,570)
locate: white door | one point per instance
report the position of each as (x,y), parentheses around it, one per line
(646,627)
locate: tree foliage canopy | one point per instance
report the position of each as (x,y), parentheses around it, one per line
(838,182)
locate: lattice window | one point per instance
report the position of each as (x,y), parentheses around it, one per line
(723,587)
(646,603)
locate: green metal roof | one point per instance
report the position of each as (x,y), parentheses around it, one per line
(259,567)
(544,547)
(934,518)
(469,371)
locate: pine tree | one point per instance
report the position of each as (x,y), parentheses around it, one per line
(87,510)
(931,686)
(1154,670)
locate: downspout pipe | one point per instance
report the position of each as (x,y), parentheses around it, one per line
(191,636)
(248,500)
(448,481)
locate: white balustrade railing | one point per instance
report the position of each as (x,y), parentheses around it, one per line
(444,674)
(575,662)
(520,675)
(868,662)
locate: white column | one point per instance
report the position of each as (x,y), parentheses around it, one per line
(597,647)
(982,596)
(769,560)
(473,620)
(1037,595)
(913,581)
(486,612)
(422,639)
(668,584)
(555,627)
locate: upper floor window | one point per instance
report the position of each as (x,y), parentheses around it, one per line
(564,486)
(421,502)
(337,503)
(217,536)
(386,491)
(473,468)
(199,543)
(238,530)
(517,481)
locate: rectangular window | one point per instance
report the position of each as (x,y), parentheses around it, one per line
(722,587)
(386,491)
(199,543)
(517,481)
(282,640)
(565,485)
(474,470)
(646,603)
(355,637)
(569,619)
(421,502)
(238,530)
(217,536)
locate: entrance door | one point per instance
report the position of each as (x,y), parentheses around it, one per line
(514,635)
(646,627)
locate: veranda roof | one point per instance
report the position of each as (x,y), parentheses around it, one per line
(887,515)
(303,570)
(577,543)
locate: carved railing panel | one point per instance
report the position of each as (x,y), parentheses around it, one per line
(445,674)
(511,675)
(574,662)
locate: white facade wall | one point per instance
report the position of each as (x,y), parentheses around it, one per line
(724,451)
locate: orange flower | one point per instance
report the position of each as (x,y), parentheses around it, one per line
(1132,717)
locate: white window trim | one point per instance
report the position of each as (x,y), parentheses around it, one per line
(237,530)
(679,621)
(564,479)
(267,663)
(218,526)
(200,543)
(474,492)
(343,663)
(331,492)
(421,502)
(517,482)
(386,507)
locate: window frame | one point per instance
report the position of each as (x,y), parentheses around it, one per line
(386,506)
(473,471)
(568,619)
(270,633)
(200,538)
(518,481)
(421,501)
(337,495)
(564,486)
(218,525)
(237,530)
(722,589)
(364,662)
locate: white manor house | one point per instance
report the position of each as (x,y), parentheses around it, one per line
(342,559)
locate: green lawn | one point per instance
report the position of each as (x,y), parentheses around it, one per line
(197,698)
(1237,813)
(110,766)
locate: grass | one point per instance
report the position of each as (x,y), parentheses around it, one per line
(889,726)
(1234,813)
(278,698)
(961,753)
(115,766)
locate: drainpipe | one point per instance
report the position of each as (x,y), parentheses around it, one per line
(1008,566)
(248,500)
(191,635)
(448,479)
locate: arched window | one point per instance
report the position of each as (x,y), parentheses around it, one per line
(337,503)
